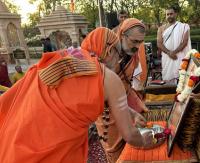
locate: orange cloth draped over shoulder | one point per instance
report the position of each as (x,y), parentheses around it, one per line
(45,116)
(114,145)
(99,42)
(159,154)
(143,62)
(141,55)
(133,99)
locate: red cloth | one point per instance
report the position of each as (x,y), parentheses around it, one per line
(4,78)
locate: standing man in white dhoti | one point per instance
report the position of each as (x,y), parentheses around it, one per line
(173,40)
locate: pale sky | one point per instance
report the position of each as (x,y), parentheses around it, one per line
(25,8)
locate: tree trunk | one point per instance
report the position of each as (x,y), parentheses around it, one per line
(101,14)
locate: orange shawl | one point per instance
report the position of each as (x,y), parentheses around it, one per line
(100,41)
(49,125)
(133,100)
(115,143)
(141,56)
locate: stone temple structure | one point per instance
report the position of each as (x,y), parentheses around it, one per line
(63,27)
(11,36)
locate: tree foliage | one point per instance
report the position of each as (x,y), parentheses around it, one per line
(34,18)
(90,10)
(149,11)
(47,6)
(11,6)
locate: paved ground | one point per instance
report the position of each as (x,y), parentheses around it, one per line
(23,63)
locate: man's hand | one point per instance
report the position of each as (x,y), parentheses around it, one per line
(145,109)
(140,120)
(173,55)
(148,139)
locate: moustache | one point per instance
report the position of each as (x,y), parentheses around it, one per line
(131,51)
(170,19)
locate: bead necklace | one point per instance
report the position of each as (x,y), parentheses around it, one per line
(106,119)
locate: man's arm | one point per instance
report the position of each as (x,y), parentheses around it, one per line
(160,44)
(116,96)
(138,119)
(183,44)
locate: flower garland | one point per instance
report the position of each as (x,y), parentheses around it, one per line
(183,93)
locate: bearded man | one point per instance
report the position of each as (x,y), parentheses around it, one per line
(173,39)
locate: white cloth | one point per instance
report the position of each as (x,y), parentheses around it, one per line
(72,48)
(171,67)
(136,83)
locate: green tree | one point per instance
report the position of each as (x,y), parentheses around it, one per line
(47,6)
(11,6)
(34,18)
(90,10)
(150,11)
(194,12)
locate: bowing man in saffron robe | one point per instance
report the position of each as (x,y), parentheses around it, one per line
(45,116)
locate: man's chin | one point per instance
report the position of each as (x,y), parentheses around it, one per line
(171,21)
(131,54)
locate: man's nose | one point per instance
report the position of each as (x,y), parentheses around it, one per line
(137,45)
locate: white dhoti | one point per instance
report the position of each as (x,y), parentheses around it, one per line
(170,67)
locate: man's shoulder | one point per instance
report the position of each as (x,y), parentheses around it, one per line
(115,29)
(162,28)
(163,25)
(181,23)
